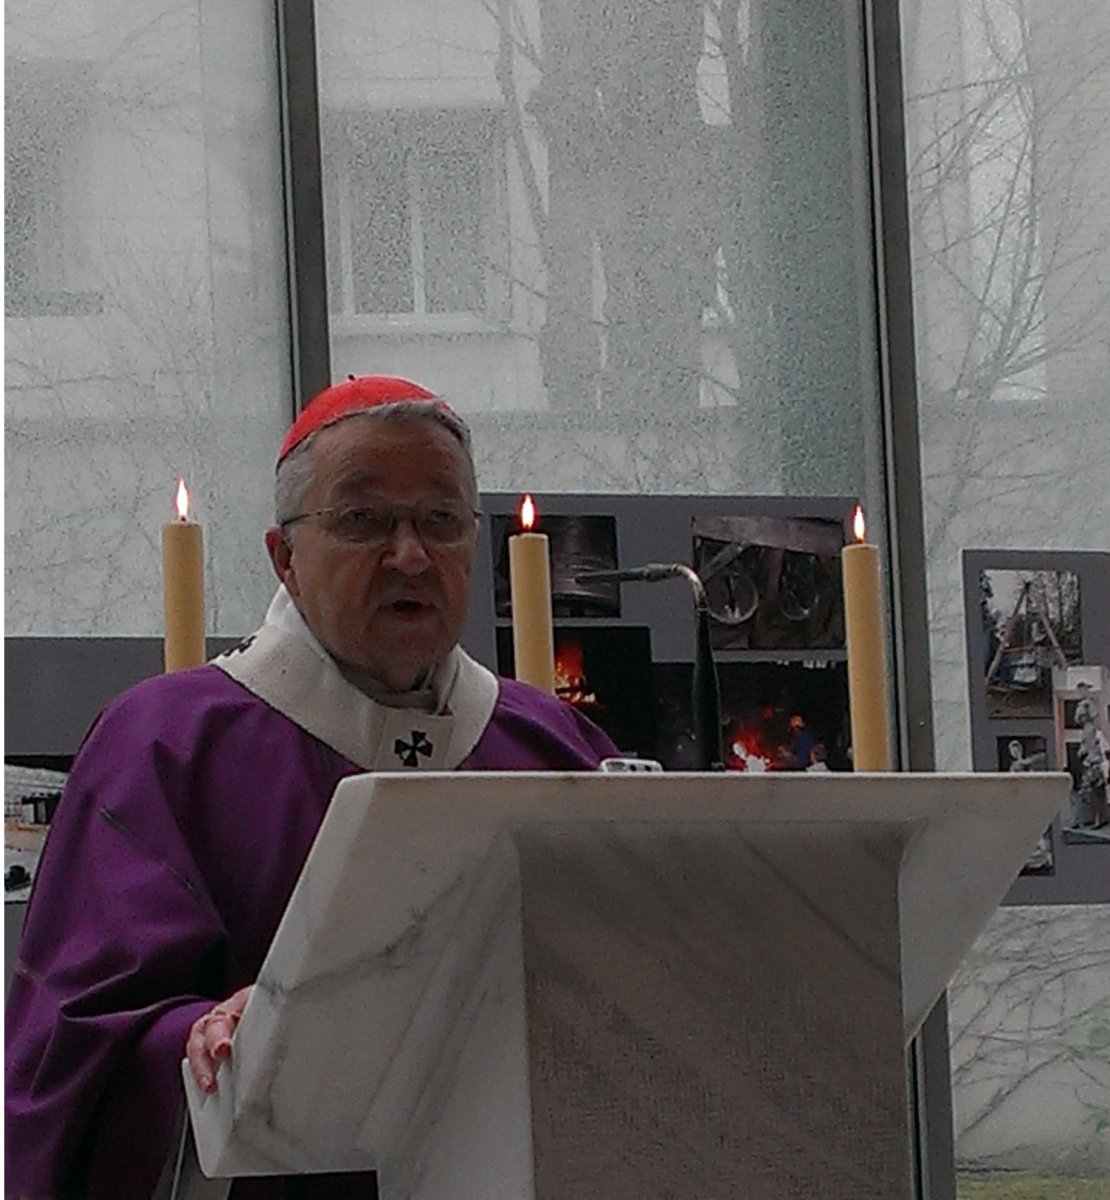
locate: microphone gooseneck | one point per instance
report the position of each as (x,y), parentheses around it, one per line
(706,690)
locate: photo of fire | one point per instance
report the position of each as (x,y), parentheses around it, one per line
(606,672)
(773,582)
(775,716)
(577,543)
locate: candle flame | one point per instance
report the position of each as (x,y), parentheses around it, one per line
(859,526)
(527,512)
(182,500)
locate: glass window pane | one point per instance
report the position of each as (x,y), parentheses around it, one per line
(643,236)
(1007,144)
(1008,147)
(147,331)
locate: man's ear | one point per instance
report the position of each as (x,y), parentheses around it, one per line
(280,550)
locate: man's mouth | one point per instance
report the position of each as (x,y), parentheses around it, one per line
(406,606)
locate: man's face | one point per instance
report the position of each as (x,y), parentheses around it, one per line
(394,609)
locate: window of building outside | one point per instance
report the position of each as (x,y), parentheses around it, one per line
(47,268)
(1009,166)
(418,200)
(147,314)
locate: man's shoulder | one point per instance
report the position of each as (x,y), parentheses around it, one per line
(154,740)
(176,705)
(190,687)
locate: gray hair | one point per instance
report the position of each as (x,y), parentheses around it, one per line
(296,473)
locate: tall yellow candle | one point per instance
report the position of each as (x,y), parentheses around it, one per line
(868,690)
(183,587)
(530,588)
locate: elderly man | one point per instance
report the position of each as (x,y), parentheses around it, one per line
(195,797)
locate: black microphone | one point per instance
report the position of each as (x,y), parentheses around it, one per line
(706,689)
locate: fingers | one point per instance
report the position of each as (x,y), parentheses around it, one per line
(200,1060)
(208,1044)
(209,1040)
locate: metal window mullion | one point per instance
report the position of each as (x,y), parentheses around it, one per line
(309,340)
(928,1057)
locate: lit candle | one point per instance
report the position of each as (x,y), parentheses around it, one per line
(868,694)
(183,587)
(530,585)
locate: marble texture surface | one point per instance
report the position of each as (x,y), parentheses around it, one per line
(682,985)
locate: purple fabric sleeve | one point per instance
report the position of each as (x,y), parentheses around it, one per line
(189,812)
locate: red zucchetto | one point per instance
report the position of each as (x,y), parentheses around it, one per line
(355,393)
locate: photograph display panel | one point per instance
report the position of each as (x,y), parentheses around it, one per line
(1038,652)
(624,651)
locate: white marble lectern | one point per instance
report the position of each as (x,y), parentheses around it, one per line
(554,986)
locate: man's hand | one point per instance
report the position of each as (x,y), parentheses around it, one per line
(209,1041)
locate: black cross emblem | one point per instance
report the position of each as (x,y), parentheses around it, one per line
(409,752)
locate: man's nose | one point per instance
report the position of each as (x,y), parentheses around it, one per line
(405,550)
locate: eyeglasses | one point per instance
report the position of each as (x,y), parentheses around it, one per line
(443,524)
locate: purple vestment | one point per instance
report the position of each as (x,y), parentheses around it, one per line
(190,810)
